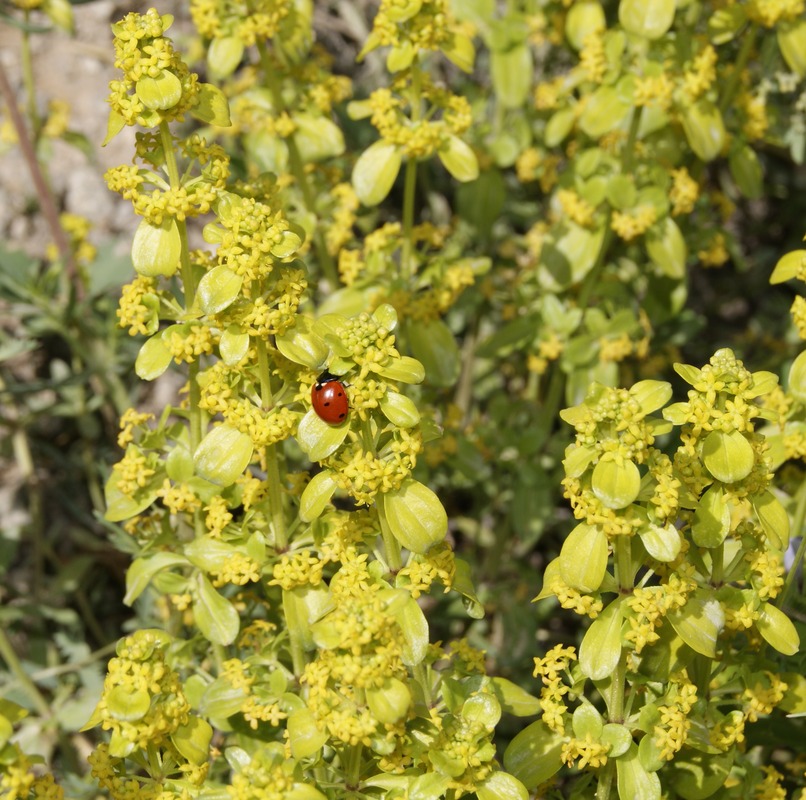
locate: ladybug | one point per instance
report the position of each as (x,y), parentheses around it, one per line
(329,399)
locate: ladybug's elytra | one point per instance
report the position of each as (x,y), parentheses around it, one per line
(329,399)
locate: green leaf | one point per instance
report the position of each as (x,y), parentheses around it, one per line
(634,782)
(208,554)
(698,776)
(305,738)
(587,721)
(797,377)
(302,345)
(233,345)
(502,786)
(290,241)
(746,170)
(375,172)
(404,369)
(414,626)
(616,484)
(460,50)
(666,247)
(216,617)
(317,138)
(605,110)
(789,266)
(127,703)
(729,457)
(699,622)
(711,519)
(704,129)
(319,439)
(649,18)
(773,518)
(777,629)
(153,359)
(316,495)
(120,506)
(514,699)
(212,106)
(559,126)
(583,19)
(114,125)
(511,71)
(619,737)
(399,410)
(662,544)
(459,159)
(434,346)
(224,53)
(156,249)
(600,650)
(414,515)
(792,43)
(223,455)
(193,739)
(218,289)
(583,558)
(142,570)
(534,755)
(390,702)
(161,92)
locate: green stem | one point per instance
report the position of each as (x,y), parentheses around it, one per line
(734,81)
(407,269)
(15,667)
(409,192)
(29,81)
(273,478)
(297,167)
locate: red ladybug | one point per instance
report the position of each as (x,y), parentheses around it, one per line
(329,399)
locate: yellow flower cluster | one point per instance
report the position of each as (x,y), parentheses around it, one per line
(701,75)
(671,732)
(764,695)
(630,224)
(549,669)
(648,607)
(422,137)
(215,19)
(585,752)
(362,474)
(18,781)
(297,569)
(422,571)
(576,208)
(147,59)
(140,679)
(592,58)
(365,651)
(716,253)
(132,472)
(137,307)
(217,516)
(275,311)
(769,12)
(470,658)
(770,787)
(178,497)
(426,25)
(684,192)
(237,569)
(654,90)
(251,231)
(77,229)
